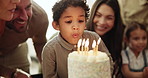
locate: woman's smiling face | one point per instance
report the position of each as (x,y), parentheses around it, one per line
(7,8)
(104,19)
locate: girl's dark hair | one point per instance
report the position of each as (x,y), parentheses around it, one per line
(60,7)
(133,26)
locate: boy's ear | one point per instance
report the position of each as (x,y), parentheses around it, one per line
(55,25)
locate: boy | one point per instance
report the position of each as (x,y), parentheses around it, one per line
(69,17)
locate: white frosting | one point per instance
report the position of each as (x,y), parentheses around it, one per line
(89,57)
(88,65)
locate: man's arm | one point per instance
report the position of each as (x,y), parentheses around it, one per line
(39,23)
(39,39)
(39,46)
(6,72)
(13,73)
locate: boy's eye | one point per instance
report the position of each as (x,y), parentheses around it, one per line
(68,21)
(81,21)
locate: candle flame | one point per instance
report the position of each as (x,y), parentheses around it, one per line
(82,47)
(79,43)
(83,42)
(87,43)
(98,42)
(93,44)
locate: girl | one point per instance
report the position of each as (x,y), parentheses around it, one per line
(135,57)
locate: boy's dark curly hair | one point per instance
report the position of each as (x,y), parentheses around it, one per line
(60,7)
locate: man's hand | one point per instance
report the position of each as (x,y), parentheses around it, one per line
(21,74)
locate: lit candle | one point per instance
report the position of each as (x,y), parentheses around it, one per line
(98,42)
(79,44)
(83,42)
(86,47)
(94,45)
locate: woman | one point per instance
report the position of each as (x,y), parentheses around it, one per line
(105,20)
(7,8)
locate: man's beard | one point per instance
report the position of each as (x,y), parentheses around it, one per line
(10,25)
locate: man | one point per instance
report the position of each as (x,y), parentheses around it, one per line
(134,12)
(29,21)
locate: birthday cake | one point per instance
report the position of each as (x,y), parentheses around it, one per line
(88,65)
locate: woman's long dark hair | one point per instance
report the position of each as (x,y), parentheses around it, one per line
(113,38)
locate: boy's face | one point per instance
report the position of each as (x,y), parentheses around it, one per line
(138,40)
(72,24)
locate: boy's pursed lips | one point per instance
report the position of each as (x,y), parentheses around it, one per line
(76,35)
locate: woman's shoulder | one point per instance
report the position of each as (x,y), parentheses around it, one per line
(90,34)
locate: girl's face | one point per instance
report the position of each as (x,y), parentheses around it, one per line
(72,24)
(104,19)
(138,40)
(7,8)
